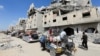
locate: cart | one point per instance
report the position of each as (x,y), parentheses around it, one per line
(59,48)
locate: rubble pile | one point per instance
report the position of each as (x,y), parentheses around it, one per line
(5,43)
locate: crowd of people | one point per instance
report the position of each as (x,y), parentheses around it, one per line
(62,39)
(60,42)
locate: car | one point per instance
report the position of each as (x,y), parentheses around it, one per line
(20,35)
(14,33)
(35,36)
(30,38)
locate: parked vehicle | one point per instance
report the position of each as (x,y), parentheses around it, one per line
(14,33)
(30,38)
(35,36)
(20,35)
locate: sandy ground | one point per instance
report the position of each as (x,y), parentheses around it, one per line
(33,49)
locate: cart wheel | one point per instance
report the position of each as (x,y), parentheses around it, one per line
(52,52)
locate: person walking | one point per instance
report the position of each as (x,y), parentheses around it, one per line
(42,41)
(84,40)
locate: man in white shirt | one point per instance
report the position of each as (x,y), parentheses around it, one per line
(62,34)
(64,38)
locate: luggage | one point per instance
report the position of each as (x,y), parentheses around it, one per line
(58,49)
(57,39)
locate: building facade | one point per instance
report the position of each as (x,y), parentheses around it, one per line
(21,24)
(34,21)
(74,16)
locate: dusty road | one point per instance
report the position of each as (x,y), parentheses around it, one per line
(33,49)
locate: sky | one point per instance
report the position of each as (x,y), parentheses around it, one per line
(12,10)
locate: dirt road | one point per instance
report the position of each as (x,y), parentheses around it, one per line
(33,49)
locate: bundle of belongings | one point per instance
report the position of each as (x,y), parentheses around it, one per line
(56,44)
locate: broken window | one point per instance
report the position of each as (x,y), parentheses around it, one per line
(45,22)
(31,10)
(88,2)
(64,12)
(56,13)
(31,13)
(54,20)
(64,18)
(64,2)
(42,12)
(74,15)
(86,14)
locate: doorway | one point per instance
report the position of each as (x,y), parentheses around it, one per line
(69,31)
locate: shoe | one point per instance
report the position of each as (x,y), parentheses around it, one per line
(43,49)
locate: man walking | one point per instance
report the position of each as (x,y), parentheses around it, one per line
(85,40)
(42,41)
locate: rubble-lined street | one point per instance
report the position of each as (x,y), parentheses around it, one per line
(50,28)
(22,48)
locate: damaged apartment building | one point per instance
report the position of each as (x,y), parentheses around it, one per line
(34,21)
(73,16)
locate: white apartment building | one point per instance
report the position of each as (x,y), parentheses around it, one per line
(34,21)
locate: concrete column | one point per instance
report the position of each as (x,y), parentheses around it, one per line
(75,31)
(59,13)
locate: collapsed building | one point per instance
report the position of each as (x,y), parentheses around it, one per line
(73,16)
